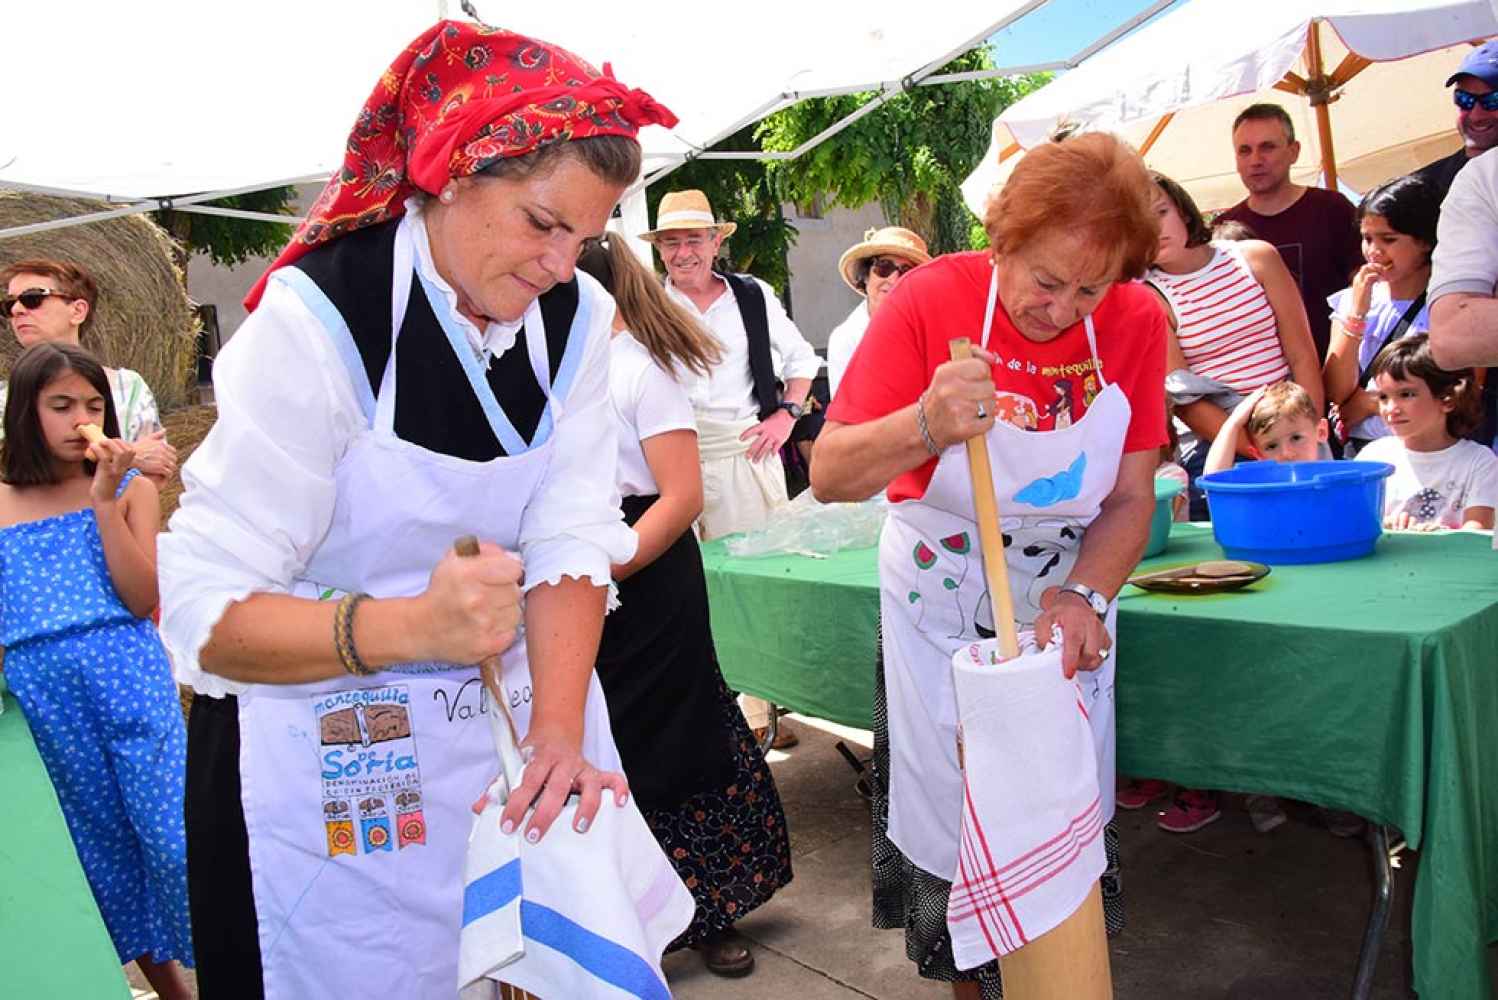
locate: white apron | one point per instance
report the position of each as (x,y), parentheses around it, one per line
(737,494)
(357,791)
(1050,486)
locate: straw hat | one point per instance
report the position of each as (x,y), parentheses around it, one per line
(686,210)
(891,241)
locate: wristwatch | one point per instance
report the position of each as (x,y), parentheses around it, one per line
(1097,602)
(794,409)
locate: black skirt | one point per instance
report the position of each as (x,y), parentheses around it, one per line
(656,665)
(693,765)
(225,931)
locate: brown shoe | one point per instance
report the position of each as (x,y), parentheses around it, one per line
(727,954)
(785,736)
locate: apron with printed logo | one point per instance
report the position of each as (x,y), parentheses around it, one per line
(357,790)
(1050,486)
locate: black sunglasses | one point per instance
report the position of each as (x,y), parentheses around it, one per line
(1467,100)
(882,266)
(31,298)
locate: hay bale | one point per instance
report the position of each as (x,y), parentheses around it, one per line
(143,319)
(185,429)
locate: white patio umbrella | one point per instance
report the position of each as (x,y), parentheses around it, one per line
(1363,80)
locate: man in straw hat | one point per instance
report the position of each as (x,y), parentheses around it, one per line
(747,406)
(872,269)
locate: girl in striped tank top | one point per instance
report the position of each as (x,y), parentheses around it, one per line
(1237,324)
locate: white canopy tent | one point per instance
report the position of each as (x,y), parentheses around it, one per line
(182,101)
(1173,88)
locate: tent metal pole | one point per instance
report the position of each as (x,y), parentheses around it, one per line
(237,213)
(152,205)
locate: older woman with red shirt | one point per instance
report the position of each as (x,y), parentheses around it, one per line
(1066,389)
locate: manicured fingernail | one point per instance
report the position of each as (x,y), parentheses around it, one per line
(533,835)
(620,800)
(582,824)
(507,827)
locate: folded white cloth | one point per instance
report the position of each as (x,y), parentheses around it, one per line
(575,915)
(1032,815)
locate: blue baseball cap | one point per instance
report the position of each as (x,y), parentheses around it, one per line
(1481,62)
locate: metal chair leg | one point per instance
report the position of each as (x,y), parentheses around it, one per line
(772,728)
(1378,919)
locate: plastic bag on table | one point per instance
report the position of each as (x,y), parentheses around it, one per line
(809,528)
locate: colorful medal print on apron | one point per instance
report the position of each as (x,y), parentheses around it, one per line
(368,756)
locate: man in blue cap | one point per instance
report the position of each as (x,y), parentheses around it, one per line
(1476,97)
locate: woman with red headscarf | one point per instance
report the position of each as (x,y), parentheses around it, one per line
(421,364)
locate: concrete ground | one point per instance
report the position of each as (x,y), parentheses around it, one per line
(1222,913)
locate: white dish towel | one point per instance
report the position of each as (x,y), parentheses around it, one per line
(1031,847)
(575,915)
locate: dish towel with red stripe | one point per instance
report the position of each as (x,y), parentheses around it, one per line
(574,915)
(1031,847)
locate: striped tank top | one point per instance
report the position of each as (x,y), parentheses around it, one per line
(1225,325)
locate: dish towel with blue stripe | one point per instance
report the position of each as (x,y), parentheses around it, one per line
(575,915)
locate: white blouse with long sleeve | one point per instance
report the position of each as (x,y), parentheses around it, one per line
(260,489)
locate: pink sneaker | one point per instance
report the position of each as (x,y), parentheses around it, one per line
(1192,810)
(1136,793)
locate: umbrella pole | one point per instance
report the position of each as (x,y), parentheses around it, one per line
(1070,961)
(1319,88)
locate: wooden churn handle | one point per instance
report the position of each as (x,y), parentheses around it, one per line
(1069,962)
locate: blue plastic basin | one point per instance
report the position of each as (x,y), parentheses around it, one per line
(1297,512)
(1166,491)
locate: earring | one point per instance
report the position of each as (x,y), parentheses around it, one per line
(447,196)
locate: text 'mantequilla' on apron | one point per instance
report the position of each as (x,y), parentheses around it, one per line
(356,790)
(1050,486)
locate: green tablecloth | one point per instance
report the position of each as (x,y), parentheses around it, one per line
(1366,685)
(52,939)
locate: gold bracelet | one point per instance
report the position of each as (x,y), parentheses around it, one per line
(343,635)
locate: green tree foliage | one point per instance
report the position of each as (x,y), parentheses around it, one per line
(741,191)
(233,241)
(910,155)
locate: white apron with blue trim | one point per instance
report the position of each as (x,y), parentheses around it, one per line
(357,792)
(933,600)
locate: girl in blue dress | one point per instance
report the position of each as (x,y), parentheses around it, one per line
(77,586)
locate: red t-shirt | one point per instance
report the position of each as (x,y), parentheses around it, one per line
(907,339)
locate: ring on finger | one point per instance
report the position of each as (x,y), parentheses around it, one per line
(1104,653)
(982,413)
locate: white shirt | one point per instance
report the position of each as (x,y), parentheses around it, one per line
(1466,254)
(842,342)
(260,490)
(647,401)
(1435,487)
(728,394)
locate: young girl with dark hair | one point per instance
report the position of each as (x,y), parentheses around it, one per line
(1385,302)
(1440,480)
(77,587)
(692,763)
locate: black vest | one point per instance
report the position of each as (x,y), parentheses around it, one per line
(435,407)
(751,301)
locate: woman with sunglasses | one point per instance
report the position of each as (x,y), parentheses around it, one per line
(420,364)
(53,301)
(872,269)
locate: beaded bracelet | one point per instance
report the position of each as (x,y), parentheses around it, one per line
(1353,326)
(920,422)
(343,635)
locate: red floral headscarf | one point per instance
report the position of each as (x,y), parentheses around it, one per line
(458,98)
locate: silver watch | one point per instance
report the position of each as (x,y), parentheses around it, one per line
(1097,602)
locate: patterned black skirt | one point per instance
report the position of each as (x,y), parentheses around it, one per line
(693,766)
(729,845)
(908,897)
